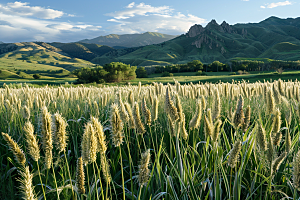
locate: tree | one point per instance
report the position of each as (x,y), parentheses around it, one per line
(118,71)
(90,75)
(141,72)
(112,72)
(195,65)
(216,66)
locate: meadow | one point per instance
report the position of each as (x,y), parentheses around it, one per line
(236,140)
(183,78)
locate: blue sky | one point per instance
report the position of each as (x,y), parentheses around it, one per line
(73,20)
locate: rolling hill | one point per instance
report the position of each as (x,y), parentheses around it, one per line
(272,38)
(130,40)
(22,60)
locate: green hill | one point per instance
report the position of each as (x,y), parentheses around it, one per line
(22,60)
(273,38)
(50,60)
(130,40)
(7,74)
(82,50)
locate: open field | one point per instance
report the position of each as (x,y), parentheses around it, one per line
(195,141)
(39,82)
(214,77)
(184,77)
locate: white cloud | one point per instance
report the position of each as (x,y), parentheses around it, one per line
(274,5)
(22,9)
(138,18)
(139,9)
(20,22)
(245,0)
(130,5)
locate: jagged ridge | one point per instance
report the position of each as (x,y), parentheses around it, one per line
(219,42)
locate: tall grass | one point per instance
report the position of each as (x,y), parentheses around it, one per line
(234,140)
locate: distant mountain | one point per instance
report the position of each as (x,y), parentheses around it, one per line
(1,42)
(273,38)
(130,40)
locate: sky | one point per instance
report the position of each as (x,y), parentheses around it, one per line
(74,20)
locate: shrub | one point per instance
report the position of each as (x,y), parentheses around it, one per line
(200,73)
(232,73)
(167,74)
(36,76)
(240,72)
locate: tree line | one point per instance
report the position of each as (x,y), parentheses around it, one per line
(193,66)
(231,66)
(254,65)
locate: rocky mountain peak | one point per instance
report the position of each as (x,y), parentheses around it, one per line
(226,27)
(213,25)
(213,21)
(195,30)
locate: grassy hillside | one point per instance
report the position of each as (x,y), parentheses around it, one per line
(25,59)
(82,50)
(283,51)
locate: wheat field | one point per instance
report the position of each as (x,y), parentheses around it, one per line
(234,140)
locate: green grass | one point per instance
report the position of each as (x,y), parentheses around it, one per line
(215,77)
(254,59)
(38,82)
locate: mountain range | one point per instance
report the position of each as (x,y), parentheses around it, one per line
(272,38)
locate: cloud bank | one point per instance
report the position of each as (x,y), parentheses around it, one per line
(22,9)
(22,22)
(19,22)
(137,18)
